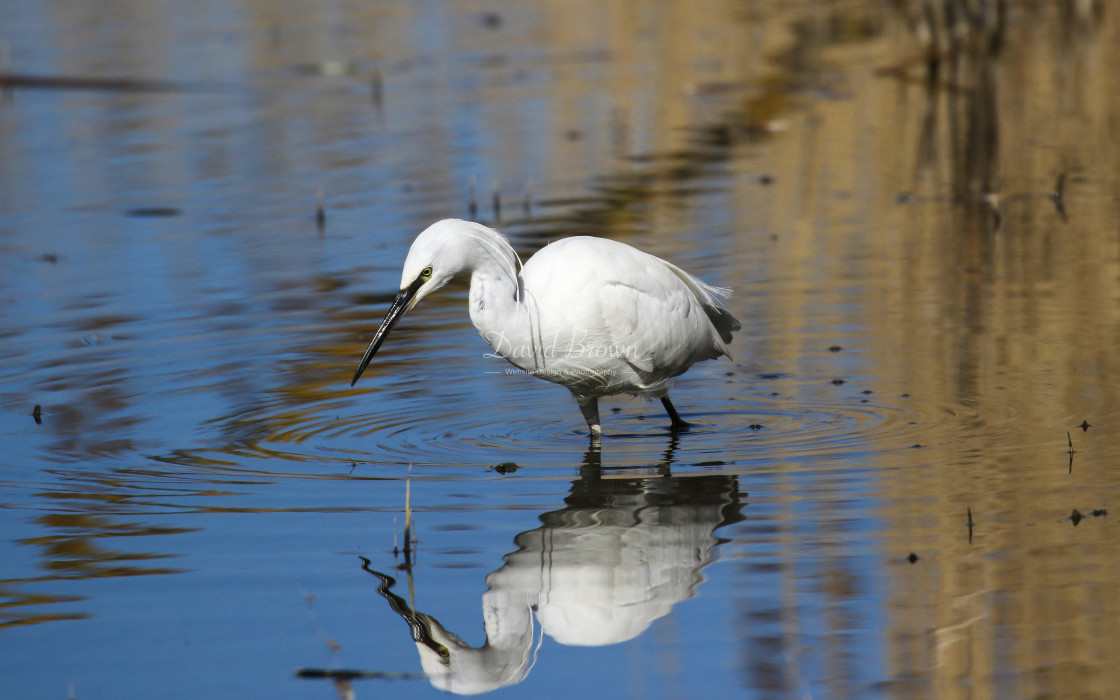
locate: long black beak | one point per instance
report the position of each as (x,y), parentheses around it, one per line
(396,311)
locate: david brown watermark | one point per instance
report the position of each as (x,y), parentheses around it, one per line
(574,347)
(545,373)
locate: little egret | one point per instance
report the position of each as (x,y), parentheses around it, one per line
(594,315)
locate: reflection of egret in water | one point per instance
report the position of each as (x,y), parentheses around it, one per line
(619,555)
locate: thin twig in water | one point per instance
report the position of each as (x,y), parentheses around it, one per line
(1070,451)
(1057,196)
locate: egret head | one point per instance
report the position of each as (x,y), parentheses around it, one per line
(437,254)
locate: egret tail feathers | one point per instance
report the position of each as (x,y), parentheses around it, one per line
(723,321)
(711,298)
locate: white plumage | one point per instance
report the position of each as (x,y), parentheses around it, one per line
(597,316)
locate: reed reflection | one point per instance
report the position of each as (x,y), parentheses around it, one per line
(599,571)
(75,546)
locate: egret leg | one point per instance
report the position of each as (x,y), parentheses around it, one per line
(589,405)
(678,424)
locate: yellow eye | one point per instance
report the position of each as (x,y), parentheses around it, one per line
(427,271)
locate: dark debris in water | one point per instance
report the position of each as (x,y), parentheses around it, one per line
(912,558)
(94,340)
(1085,426)
(342,674)
(37,414)
(491,20)
(755,426)
(507,467)
(1077,516)
(838,382)
(835,348)
(710,463)
(153,212)
(83,82)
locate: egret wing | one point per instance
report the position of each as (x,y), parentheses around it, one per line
(655,321)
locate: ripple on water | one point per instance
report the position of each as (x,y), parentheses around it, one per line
(383,428)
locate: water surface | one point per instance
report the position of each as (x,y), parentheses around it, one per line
(901,486)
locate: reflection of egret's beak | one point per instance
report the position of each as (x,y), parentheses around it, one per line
(421,625)
(401,305)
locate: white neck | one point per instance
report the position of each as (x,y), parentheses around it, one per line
(498,305)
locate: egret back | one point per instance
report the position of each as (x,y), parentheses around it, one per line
(619,320)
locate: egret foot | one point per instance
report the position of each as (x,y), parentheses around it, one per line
(678,425)
(589,406)
(596,436)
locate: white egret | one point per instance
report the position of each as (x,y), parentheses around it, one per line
(594,315)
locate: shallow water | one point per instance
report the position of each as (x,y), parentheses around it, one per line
(886,493)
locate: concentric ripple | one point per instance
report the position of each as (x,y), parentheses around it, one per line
(734,427)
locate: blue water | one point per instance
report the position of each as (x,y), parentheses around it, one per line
(190,513)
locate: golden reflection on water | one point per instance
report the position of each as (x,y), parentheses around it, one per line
(980,297)
(76,546)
